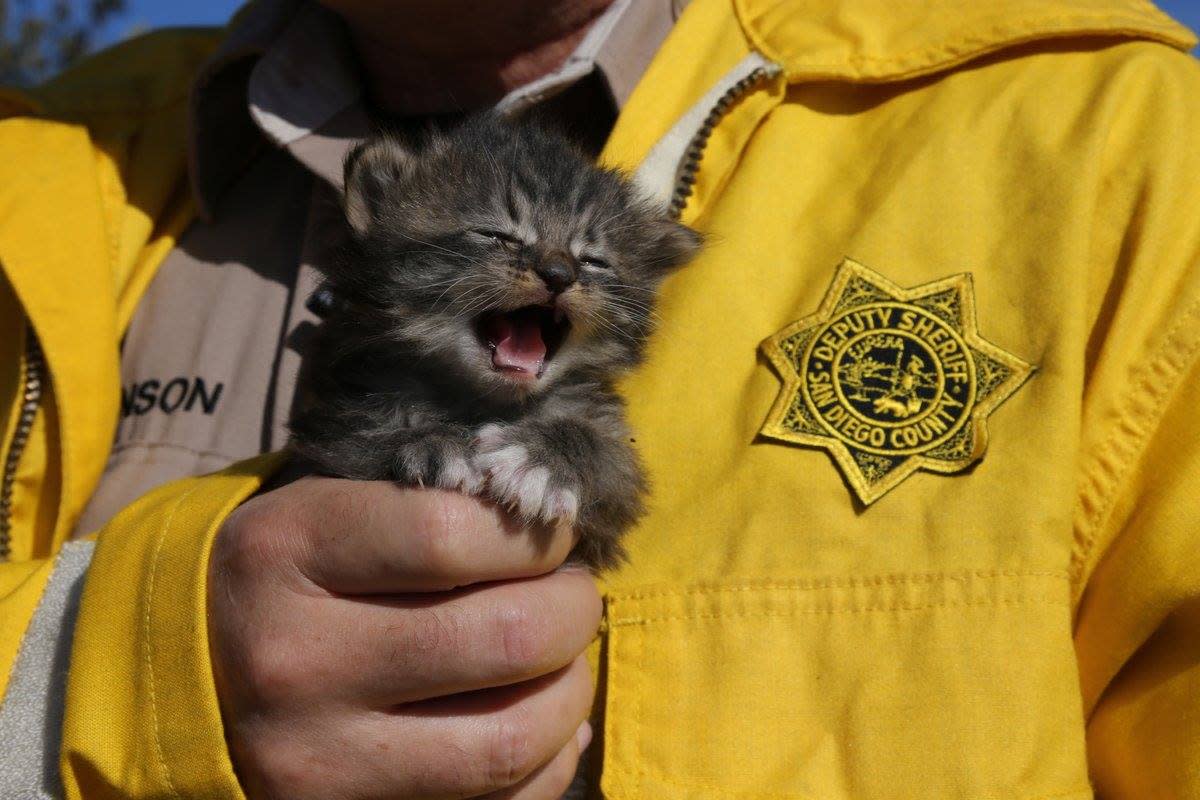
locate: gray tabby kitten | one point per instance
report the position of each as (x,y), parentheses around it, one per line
(493,286)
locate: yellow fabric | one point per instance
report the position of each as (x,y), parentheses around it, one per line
(21,585)
(771,638)
(164,687)
(1025,628)
(874,41)
(91,198)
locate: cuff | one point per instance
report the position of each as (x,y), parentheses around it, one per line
(142,718)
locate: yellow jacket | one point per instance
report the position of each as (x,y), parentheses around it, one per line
(920,421)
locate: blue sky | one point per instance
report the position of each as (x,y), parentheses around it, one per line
(1186,11)
(158,13)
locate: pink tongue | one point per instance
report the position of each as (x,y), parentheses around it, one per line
(517,338)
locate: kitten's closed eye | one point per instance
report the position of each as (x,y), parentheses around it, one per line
(498,236)
(595,262)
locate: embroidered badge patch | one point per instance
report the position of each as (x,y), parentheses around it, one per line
(890,380)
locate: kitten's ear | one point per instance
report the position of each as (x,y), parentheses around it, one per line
(675,244)
(372,169)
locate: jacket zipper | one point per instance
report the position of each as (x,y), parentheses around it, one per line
(31,397)
(686,177)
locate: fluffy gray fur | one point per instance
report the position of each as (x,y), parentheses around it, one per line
(445,234)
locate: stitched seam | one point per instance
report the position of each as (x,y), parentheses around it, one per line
(1142,417)
(120,448)
(150,588)
(1050,600)
(839,583)
(642,773)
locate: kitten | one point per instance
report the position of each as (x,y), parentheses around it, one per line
(493,285)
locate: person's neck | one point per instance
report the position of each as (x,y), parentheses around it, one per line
(437,56)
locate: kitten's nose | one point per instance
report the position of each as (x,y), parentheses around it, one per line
(557,272)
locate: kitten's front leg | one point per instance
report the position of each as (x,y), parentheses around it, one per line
(578,471)
(411,447)
(438,455)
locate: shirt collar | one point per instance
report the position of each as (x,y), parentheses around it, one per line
(286,75)
(618,46)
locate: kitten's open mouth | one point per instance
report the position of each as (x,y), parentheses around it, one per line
(523,340)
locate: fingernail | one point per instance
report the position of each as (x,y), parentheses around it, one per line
(584,735)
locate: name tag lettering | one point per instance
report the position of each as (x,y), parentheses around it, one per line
(177,394)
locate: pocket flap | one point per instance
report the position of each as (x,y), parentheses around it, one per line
(958,685)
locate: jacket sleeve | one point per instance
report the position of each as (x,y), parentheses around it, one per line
(1137,522)
(142,718)
(1138,629)
(105,685)
(138,707)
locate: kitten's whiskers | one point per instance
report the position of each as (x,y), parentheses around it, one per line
(477,301)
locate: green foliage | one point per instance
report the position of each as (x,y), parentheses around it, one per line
(38,39)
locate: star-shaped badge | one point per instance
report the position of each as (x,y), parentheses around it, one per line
(890,380)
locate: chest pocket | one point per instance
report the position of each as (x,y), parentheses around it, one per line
(899,687)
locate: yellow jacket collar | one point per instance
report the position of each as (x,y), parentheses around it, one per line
(888,40)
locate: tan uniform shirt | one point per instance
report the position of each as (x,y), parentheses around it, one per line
(210,361)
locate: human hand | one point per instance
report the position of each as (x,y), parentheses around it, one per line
(375,641)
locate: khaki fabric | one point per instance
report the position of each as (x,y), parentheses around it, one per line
(211,356)
(209,365)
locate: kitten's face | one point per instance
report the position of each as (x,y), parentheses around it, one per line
(500,251)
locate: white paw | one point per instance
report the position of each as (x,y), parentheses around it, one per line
(561,504)
(460,474)
(523,487)
(489,437)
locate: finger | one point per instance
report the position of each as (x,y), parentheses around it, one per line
(426,646)
(551,780)
(472,744)
(372,537)
(504,734)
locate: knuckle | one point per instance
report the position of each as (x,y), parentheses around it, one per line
(231,547)
(510,751)
(255,534)
(274,674)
